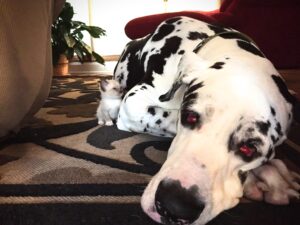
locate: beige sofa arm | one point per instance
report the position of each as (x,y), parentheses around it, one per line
(25,59)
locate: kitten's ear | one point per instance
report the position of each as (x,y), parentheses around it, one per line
(103,84)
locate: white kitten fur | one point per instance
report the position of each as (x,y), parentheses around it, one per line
(111,97)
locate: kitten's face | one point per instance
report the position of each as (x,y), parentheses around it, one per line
(110,88)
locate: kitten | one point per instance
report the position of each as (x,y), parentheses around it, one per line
(111,97)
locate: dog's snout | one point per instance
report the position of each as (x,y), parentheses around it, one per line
(176,204)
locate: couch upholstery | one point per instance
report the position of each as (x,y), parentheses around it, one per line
(25,59)
(273,24)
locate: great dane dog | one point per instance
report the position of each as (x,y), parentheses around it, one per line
(228,108)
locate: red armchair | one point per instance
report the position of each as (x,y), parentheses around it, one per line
(273,24)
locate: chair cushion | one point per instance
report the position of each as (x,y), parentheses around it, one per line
(141,26)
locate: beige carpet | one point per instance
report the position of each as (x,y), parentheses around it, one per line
(65,169)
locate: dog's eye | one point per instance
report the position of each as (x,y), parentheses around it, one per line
(248,150)
(190,119)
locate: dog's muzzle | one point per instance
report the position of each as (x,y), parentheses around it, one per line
(176,204)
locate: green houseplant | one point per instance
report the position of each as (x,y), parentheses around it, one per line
(67,36)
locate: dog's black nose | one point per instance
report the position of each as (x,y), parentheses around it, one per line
(176,204)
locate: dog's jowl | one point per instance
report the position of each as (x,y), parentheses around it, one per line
(228,108)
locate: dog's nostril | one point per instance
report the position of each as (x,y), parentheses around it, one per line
(176,203)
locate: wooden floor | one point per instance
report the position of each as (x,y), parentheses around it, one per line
(292,78)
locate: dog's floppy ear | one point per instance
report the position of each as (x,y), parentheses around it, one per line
(189,68)
(170,94)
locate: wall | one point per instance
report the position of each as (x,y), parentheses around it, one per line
(112,15)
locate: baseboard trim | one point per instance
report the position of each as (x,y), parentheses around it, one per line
(92,68)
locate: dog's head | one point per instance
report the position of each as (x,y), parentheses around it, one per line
(227,126)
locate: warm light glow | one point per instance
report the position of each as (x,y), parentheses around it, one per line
(113,15)
(193,5)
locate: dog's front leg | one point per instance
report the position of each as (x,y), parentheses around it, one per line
(139,112)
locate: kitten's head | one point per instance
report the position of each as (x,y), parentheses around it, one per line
(110,88)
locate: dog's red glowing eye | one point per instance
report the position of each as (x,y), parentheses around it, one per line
(247,151)
(192,118)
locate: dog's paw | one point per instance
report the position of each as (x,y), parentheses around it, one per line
(273,183)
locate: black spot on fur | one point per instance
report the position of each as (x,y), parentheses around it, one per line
(145,130)
(194,35)
(190,95)
(218,65)
(181,52)
(134,67)
(163,31)
(151,110)
(188,101)
(166,114)
(278,129)
(216,29)
(157,62)
(263,127)
(239,127)
(173,20)
(242,176)
(194,87)
(131,94)
(235,35)
(231,142)
(158,121)
(283,89)
(273,111)
(250,48)
(250,129)
(120,77)
(124,54)
(143,87)
(274,139)
(288,96)
(270,153)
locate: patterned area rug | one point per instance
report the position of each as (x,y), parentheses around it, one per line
(63,168)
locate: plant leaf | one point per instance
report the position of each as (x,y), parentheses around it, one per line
(69,40)
(94,31)
(80,54)
(86,47)
(98,58)
(67,12)
(67,37)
